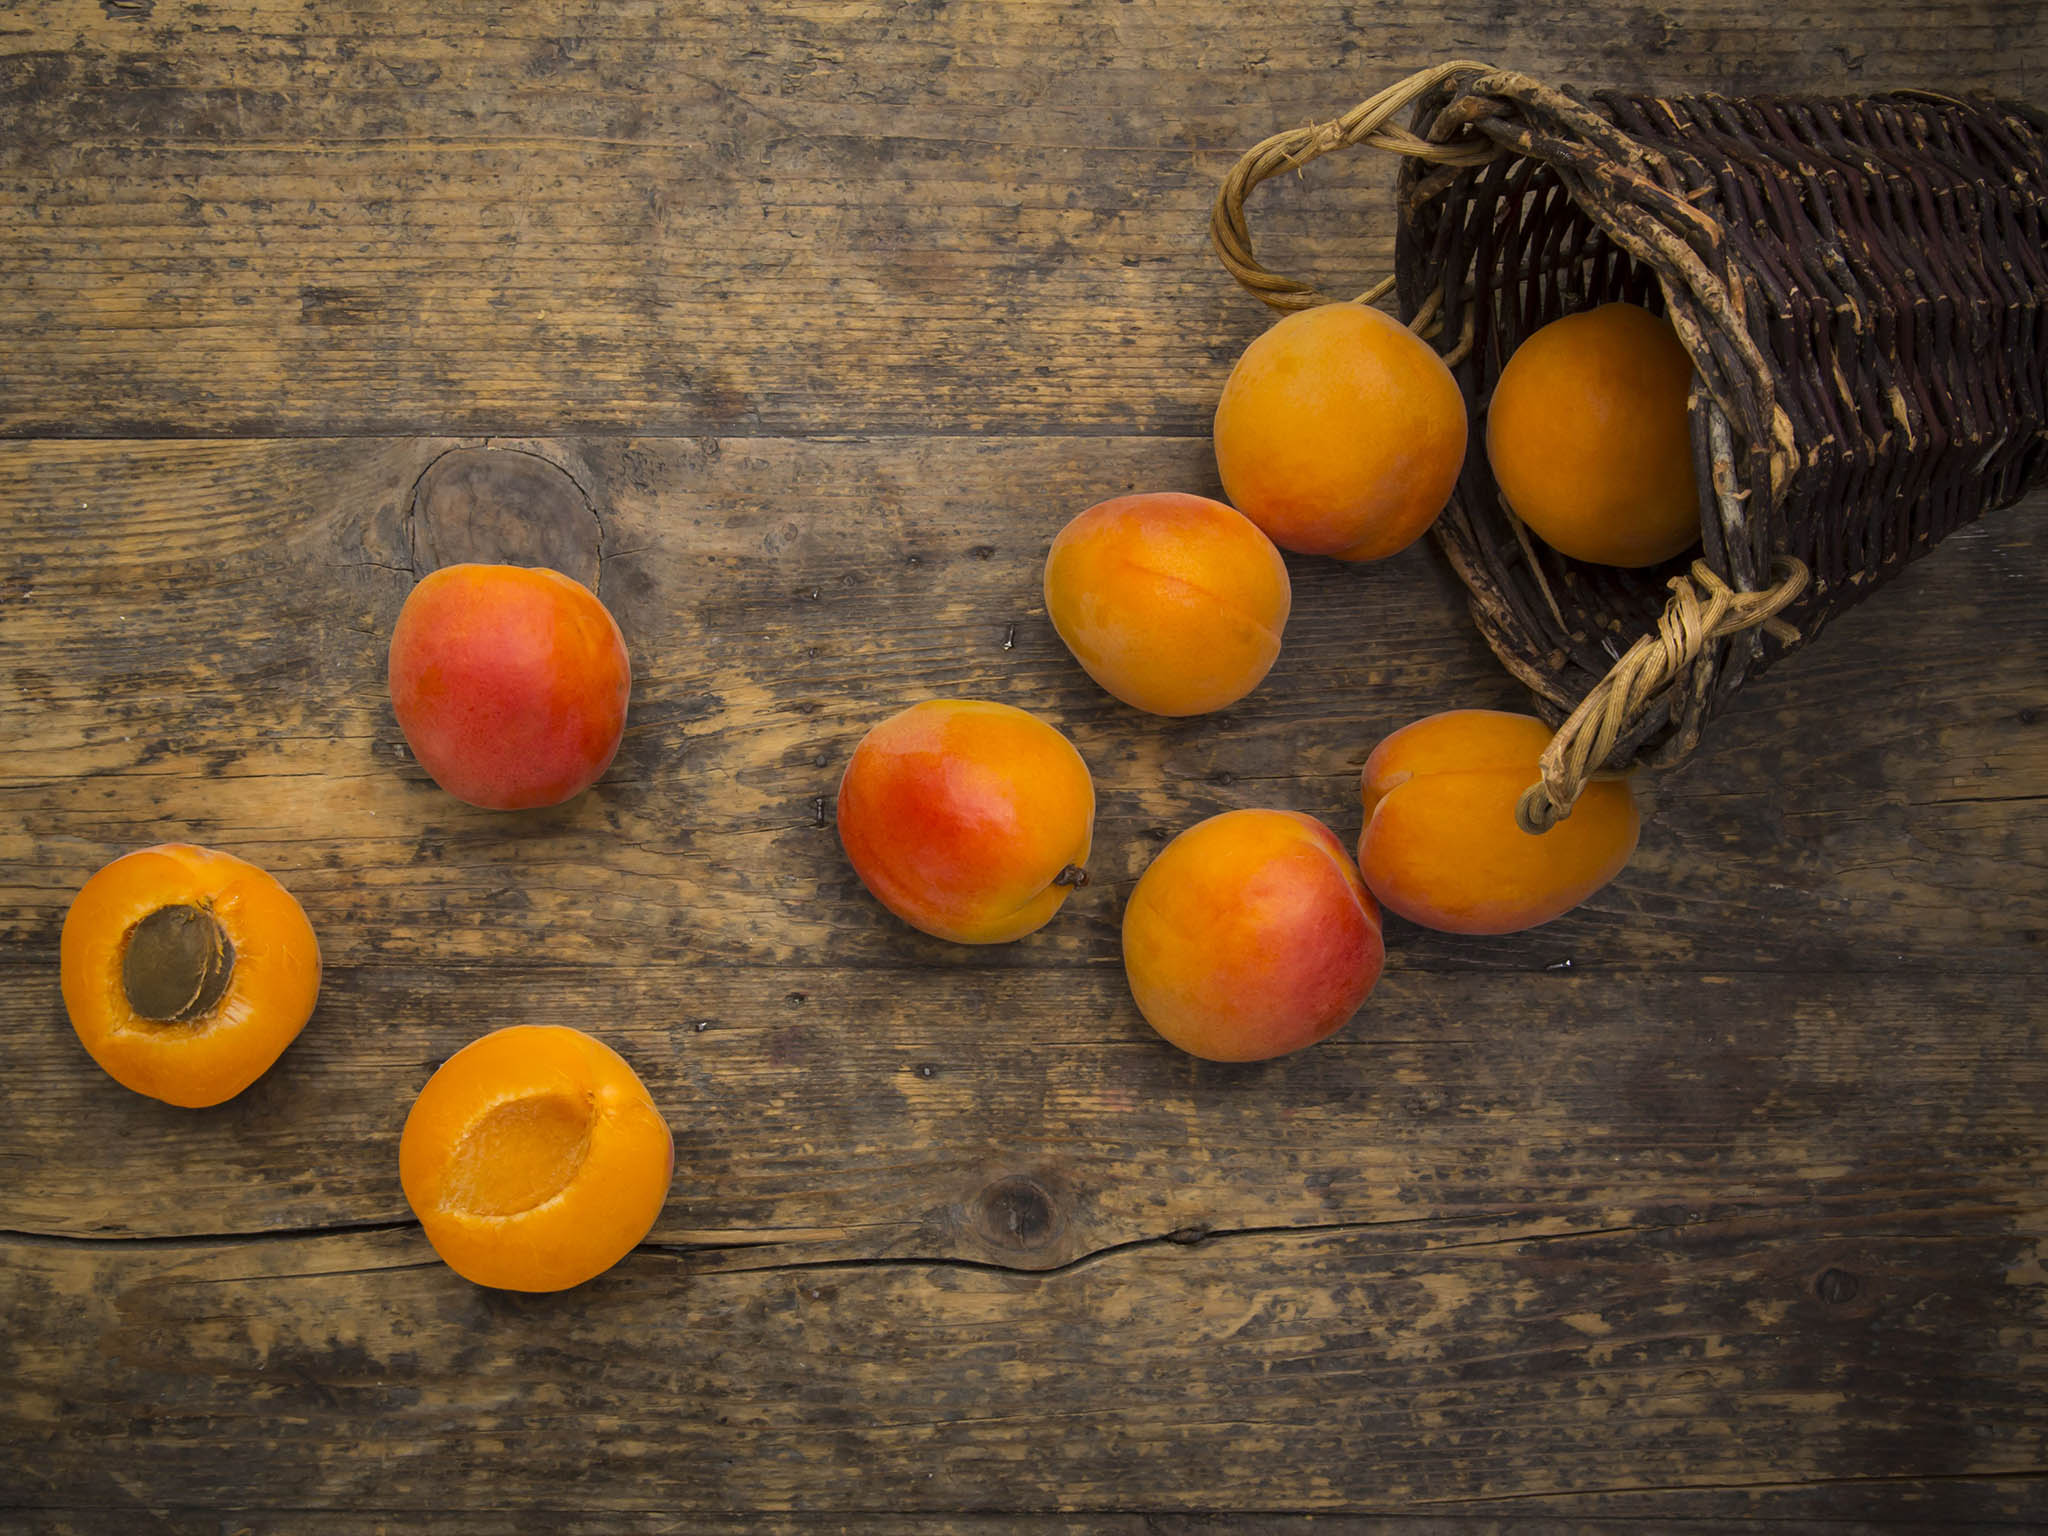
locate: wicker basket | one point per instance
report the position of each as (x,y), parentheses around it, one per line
(1861,285)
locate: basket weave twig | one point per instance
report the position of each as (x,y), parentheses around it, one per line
(1861,285)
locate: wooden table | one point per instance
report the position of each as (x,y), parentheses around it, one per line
(1717,1201)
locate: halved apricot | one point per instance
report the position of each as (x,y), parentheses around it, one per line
(187,972)
(535,1159)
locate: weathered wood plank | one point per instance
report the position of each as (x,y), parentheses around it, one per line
(1963,1501)
(194,641)
(1028,1118)
(1413,1367)
(267,216)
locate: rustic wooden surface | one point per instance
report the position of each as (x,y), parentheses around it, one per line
(1720,1201)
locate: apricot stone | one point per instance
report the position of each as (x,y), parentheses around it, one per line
(535,1159)
(1251,936)
(510,683)
(1340,432)
(968,820)
(1441,845)
(1173,603)
(1590,439)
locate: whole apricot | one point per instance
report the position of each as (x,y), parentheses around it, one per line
(1251,936)
(968,820)
(1441,845)
(1173,603)
(510,684)
(1590,440)
(535,1159)
(1340,432)
(187,972)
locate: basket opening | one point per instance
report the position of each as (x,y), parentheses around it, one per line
(1539,258)
(1862,288)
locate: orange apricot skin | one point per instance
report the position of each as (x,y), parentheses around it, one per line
(960,816)
(1340,432)
(1251,936)
(270,992)
(510,684)
(1590,439)
(1441,846)
(1173,603)
(604,1211)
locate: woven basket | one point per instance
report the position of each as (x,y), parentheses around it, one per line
(1861,285)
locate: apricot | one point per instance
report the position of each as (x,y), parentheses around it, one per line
(187,972)
(1441,845)
(1589,437)
(510,684)
(1340,432)
(535,1159)
(1173,603)
(1251,936)
(968,820)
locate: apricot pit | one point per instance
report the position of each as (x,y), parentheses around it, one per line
(177,964)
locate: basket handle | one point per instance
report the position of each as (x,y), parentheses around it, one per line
(1689,624)
(1366,123)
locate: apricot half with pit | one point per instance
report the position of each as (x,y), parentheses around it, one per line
(510,684)
(535,1159)
(967,819)
(186,972)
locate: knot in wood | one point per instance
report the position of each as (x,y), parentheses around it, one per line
(1018,1213)
(1837,1287)
(498,506)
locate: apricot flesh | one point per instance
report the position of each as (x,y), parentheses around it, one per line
(1173,603)
(1250,936)
(969,820)
(535,1159)
(1340,432)
(186,972)
(1590,438)
(1441,845)
(510,684)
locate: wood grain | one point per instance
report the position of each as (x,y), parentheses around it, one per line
(1802,1035)
(1029,1118)
(267,216)
(1422,1367)
(196,649)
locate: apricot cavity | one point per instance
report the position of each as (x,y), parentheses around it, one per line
(968,820)
(510,684)
(1251,936)
(535,1159)
(1589,437)
(1441,845)
(187,972)
(1340,432)
(1173,603)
